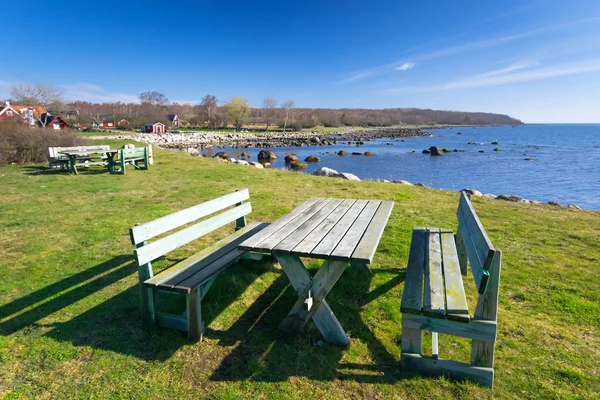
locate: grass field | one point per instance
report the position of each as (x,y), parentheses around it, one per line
(70,325)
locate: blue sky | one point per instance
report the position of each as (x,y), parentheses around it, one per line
(538,61)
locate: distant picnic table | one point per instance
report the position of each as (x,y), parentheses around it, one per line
(339,231)
(89,157)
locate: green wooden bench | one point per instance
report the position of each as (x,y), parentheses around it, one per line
(193,276)
(130,156)
(57,160)
(434,297)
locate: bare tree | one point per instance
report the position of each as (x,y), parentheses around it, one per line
(288,105)
(209,103)
(238,109)
(154,98)
(39,94)
(270,104)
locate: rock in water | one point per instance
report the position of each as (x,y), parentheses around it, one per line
(369,153)
(341,153)
(426,151)
(266,155)
(290,158)
(324,171)
(436,151)
(222,154)
(298,165)
(312,159)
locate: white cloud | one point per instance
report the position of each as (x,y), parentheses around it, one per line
(405,67)
(85,91)
(508,76)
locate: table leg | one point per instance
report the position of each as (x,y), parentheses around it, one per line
(73,160)
(319,287)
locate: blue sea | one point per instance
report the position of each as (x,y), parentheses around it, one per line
(566,166)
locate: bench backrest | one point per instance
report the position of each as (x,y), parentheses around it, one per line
(479,249)
(54,152)
(145,253)
(135,152)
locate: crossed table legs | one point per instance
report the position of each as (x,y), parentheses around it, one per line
(311,297)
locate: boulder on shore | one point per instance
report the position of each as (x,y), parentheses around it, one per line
(512,198)
(403,182)
(348,176)
(312,159)
(324,171)
(222,154)
(473,192)
(256,164)
(574,207)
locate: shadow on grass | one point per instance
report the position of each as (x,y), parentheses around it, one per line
(121,266)
(115,324)
(43,170)
(265,354)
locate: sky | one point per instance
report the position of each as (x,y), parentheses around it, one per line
(538,61)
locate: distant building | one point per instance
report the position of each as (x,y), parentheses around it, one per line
(9,112)
(53,122)
(157,127)
(174,120)
(123,122)
(104,122)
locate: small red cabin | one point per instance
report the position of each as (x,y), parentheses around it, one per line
(54,122)
(157,127)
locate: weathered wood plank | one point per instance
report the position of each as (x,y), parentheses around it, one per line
(365,250)
(434,346)
(456,300)
(184,236)
(172,321)
(207,255)
(194,315)
(335,235)
(307,227)
(305,247)
(275,226)
(480,275)
(164,224)
(468,211)
(453,369)
(412,339)
(433,291)
(412,296)
(471,232)
(475,329)
(346,246)
(462,253)
(286,230)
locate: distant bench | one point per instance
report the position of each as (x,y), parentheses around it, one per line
(137,157)
(193,276)
(57,160)
(434,297)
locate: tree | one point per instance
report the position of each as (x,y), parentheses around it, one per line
(288,105)
(238,109)
(209,103)
(39,94)
(270,104)
(154,98)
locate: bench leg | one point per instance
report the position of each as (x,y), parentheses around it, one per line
(412,339)
(194,315)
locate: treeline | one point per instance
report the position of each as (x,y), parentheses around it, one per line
(214,116)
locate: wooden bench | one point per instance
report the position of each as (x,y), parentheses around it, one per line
(434,297)
(129,156)
(193,276)
(57,160)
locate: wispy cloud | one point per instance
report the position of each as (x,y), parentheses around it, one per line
(508,76)
(85,91)
(406,66)
(511,68)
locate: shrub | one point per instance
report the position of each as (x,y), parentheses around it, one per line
(20,144)
(296,126)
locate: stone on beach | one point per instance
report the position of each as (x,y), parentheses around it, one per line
(473,192)
(403,182)
(348,176)
(324,171)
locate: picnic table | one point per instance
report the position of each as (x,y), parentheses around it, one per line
(104,157)
(339,231)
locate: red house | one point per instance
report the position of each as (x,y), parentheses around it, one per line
(8,112)
(54,122)
(174,120)
(106,124)
(123,122)
(157,127)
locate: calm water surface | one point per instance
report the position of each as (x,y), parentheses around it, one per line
(566,167)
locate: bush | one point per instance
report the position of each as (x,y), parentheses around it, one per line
(20,144)
(296,126)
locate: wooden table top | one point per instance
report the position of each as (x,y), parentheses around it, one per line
(87,152)
(327,228)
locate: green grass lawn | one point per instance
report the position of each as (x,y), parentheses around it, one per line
(70,325)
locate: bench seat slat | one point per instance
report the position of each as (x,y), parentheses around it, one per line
(162,246)
(206,255)
(143,232)
(412,297)
(456,300)
(433,292)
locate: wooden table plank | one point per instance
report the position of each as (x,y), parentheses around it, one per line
(336,234)
(306,246)
(287,229)
(433,293)
(307,227)
(346,246)
(249,244)
(365,250)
